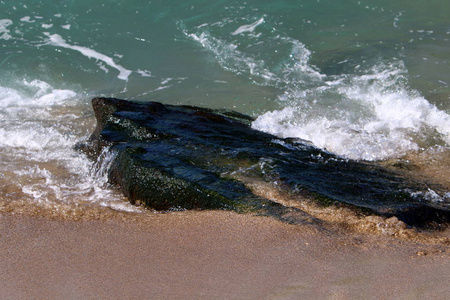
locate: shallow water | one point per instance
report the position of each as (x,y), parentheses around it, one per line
(367,80)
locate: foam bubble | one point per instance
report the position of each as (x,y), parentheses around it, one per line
(57,40)
(28,122)
(255,60)
(144,73)
(232,59)
(38,139)
(4,32)
(372,116)
(39,127)
(248,28)
(430,195)
(27,19)
(42,95)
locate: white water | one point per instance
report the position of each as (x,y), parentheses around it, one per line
(248,27)
(38,131)
(375,117)
(370,115)
(4,31)
(58,41)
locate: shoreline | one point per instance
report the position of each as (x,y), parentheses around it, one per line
(211,254)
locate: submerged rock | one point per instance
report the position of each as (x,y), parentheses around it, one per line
(188,157)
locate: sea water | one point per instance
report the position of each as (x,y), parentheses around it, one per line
(366,80)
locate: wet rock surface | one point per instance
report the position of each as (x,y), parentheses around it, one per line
(170,157)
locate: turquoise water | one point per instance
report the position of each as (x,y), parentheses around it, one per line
(366,80)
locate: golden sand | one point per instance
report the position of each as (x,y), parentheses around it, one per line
(211,255)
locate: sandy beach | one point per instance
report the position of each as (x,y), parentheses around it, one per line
(211,255)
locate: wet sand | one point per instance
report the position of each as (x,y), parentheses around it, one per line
(211,255)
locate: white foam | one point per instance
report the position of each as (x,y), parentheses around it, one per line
(232,59)
(33,139)
(57,40)
(4,32)
(163,87)
(167,80)
(375,118)
(43,95)
(144,73)
(39,126)
(28,122)
(27,19)
(122,206)
(430,195)
(296,68)
(248,27)
(370,115)
(103,67)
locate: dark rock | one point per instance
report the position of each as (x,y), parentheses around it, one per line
(182,157)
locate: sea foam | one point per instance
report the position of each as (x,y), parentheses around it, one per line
(248,27)
(40,125)
(375,117)
(370,115)
(4,31)
(58,41)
